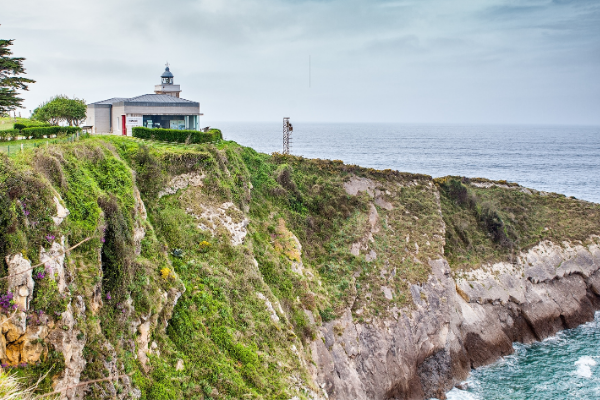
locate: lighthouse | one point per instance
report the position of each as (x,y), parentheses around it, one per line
(166,84)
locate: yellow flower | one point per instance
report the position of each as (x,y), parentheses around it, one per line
(204,246)
(165,272)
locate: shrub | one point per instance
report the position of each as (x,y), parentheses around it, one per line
(327,314)
(30,124)
(174,135)
(8,134)
(48,298)
(40,132)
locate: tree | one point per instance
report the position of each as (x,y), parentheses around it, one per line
(61,108)
(10,81)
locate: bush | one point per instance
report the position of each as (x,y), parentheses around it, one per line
(174,135)
(8,134)
(39,132)
(30,124)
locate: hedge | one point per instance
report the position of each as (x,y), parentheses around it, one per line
(174,135)
(30,124)
(8,134)
(39,132)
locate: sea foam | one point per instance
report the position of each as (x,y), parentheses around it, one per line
(584,365)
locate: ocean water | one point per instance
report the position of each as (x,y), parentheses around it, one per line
(561,159)
(561,367)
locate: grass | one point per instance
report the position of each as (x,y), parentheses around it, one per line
(13,388)
(495,224)
(14,147)
(8,122)
(221,329)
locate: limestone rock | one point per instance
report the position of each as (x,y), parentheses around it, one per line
(458,323)
(139,231)
(54,260)
(61,212)
(20,282)
(181,182)
(269,306)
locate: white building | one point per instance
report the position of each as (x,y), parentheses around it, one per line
(163,109)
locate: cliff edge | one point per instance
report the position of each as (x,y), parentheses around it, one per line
(136,269)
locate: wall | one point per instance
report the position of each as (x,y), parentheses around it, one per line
(98,116)
(117,112)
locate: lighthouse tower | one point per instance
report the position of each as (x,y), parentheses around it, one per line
(166,86)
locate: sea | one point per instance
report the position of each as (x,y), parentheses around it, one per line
(561,159)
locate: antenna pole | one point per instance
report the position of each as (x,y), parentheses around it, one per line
(287,135)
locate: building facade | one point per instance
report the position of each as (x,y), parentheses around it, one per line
(163,109)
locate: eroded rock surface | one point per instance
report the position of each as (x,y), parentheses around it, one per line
(181,182)
(458,323)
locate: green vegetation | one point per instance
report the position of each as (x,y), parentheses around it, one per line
(495,223)
(10,80)
(12,388)
(174,135)
(9,123)
(245,310)
(39,132)
(16,146)
(8,134)
(27,123)
(61,109)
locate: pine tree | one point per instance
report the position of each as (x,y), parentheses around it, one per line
(10,81)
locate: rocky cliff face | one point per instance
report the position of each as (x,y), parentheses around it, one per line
(212,271)
(461,321)
(26,335)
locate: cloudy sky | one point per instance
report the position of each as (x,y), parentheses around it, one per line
(431,61)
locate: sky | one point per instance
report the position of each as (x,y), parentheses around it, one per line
(407,61)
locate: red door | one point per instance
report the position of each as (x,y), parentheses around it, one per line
(123,125)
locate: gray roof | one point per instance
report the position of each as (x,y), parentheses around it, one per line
(150,100)
(157,98)
(167,73)
(111,101)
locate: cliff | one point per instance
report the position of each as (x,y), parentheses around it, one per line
(213,271)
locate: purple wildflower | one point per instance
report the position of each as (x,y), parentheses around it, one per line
(40,275)
(6,301)
(50,238)
(4,365)
(23,365)
(26,212)
(108,297)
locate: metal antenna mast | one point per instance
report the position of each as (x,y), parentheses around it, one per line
(287,135)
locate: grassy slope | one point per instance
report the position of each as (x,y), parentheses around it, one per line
(220,309)
(494,224)
(220,328)
(8,122)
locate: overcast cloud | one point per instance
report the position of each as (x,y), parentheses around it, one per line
(438,61)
